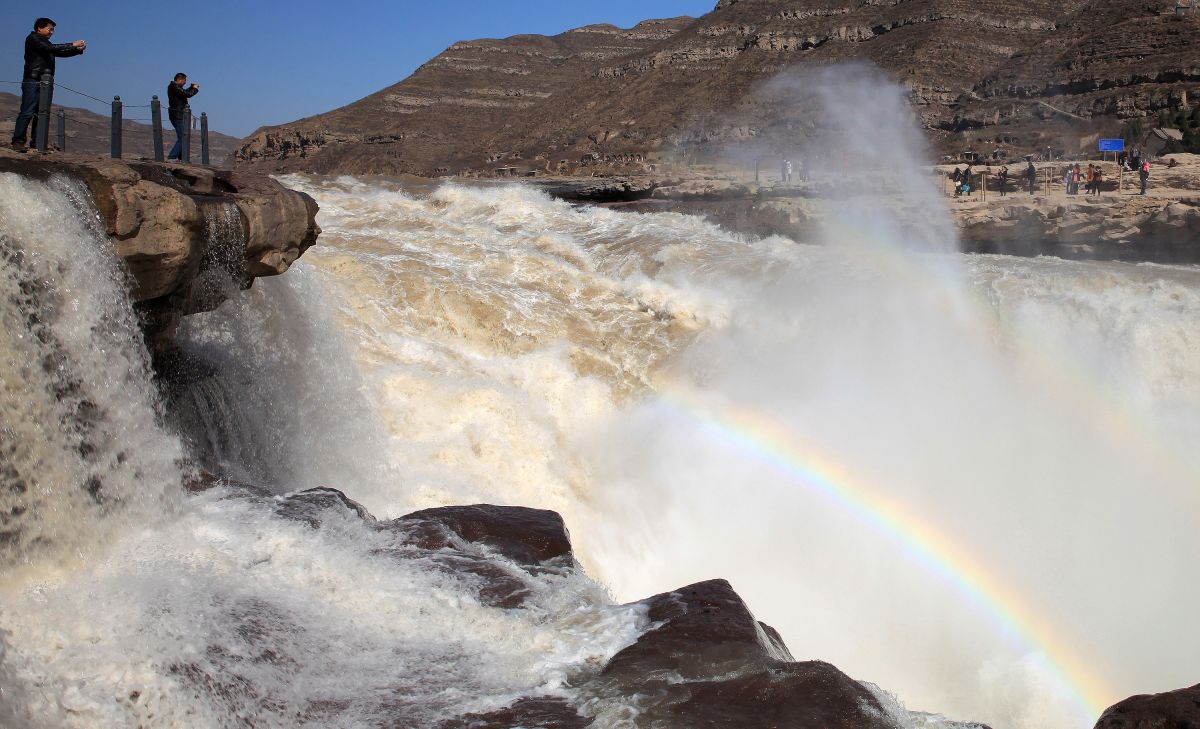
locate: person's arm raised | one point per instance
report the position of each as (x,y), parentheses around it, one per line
(61,49)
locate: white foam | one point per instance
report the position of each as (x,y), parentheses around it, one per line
(277,620)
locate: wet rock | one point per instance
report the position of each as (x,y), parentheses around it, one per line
(526,536)
(311,506)
(1171,710)
(703,628)
(280,227)
(709,663)
(706,662)
(601,189)
(542,712)
(492,584)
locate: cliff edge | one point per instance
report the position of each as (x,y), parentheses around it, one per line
(188,235)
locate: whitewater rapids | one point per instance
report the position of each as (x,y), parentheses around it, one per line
(1038,412)
(460,344)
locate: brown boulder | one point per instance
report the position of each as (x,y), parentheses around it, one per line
(1171,710)
(157,232)
(709,663)
(280,223)
(526,536)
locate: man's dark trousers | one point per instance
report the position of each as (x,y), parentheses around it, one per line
(31,92)
(180,128)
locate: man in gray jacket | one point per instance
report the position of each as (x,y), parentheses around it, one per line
(39,59)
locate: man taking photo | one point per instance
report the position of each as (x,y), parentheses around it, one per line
(39,59)
(179,110)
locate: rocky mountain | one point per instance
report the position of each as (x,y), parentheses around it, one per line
(88,133)
(1022,75)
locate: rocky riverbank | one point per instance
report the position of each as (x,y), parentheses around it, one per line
(1162,226)
(188,235)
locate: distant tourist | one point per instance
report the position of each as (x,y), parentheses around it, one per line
(179,111)
(39,59)
(1031,176)
(1097,178)
(1144,174)
(1003,181)
(957,177)
(966,180)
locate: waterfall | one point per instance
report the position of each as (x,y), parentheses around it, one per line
(82,450)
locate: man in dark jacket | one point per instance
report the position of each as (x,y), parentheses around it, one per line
(39,59)
(179,111)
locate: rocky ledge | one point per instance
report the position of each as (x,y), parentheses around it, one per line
(188,234)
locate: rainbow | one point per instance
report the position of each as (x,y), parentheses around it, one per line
(775,444)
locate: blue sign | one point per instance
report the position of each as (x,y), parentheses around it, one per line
(1112,145)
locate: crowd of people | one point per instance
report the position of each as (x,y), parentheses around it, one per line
(1074,176)
(964,178)
(40,55)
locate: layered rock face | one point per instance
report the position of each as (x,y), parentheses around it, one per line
(1023,74)
(188,235)
(1133,230)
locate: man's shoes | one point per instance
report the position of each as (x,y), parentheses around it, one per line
(18,147)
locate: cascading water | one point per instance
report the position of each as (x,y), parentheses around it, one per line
(966,479)
(82,452)
(124,604)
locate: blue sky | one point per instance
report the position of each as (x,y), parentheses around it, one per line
(262,63)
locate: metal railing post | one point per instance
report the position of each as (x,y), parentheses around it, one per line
(115,134)
(156,118)
(62,130)
(186,152)
(42,125)
(204,137)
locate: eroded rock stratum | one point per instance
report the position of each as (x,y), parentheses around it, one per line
(188,235)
